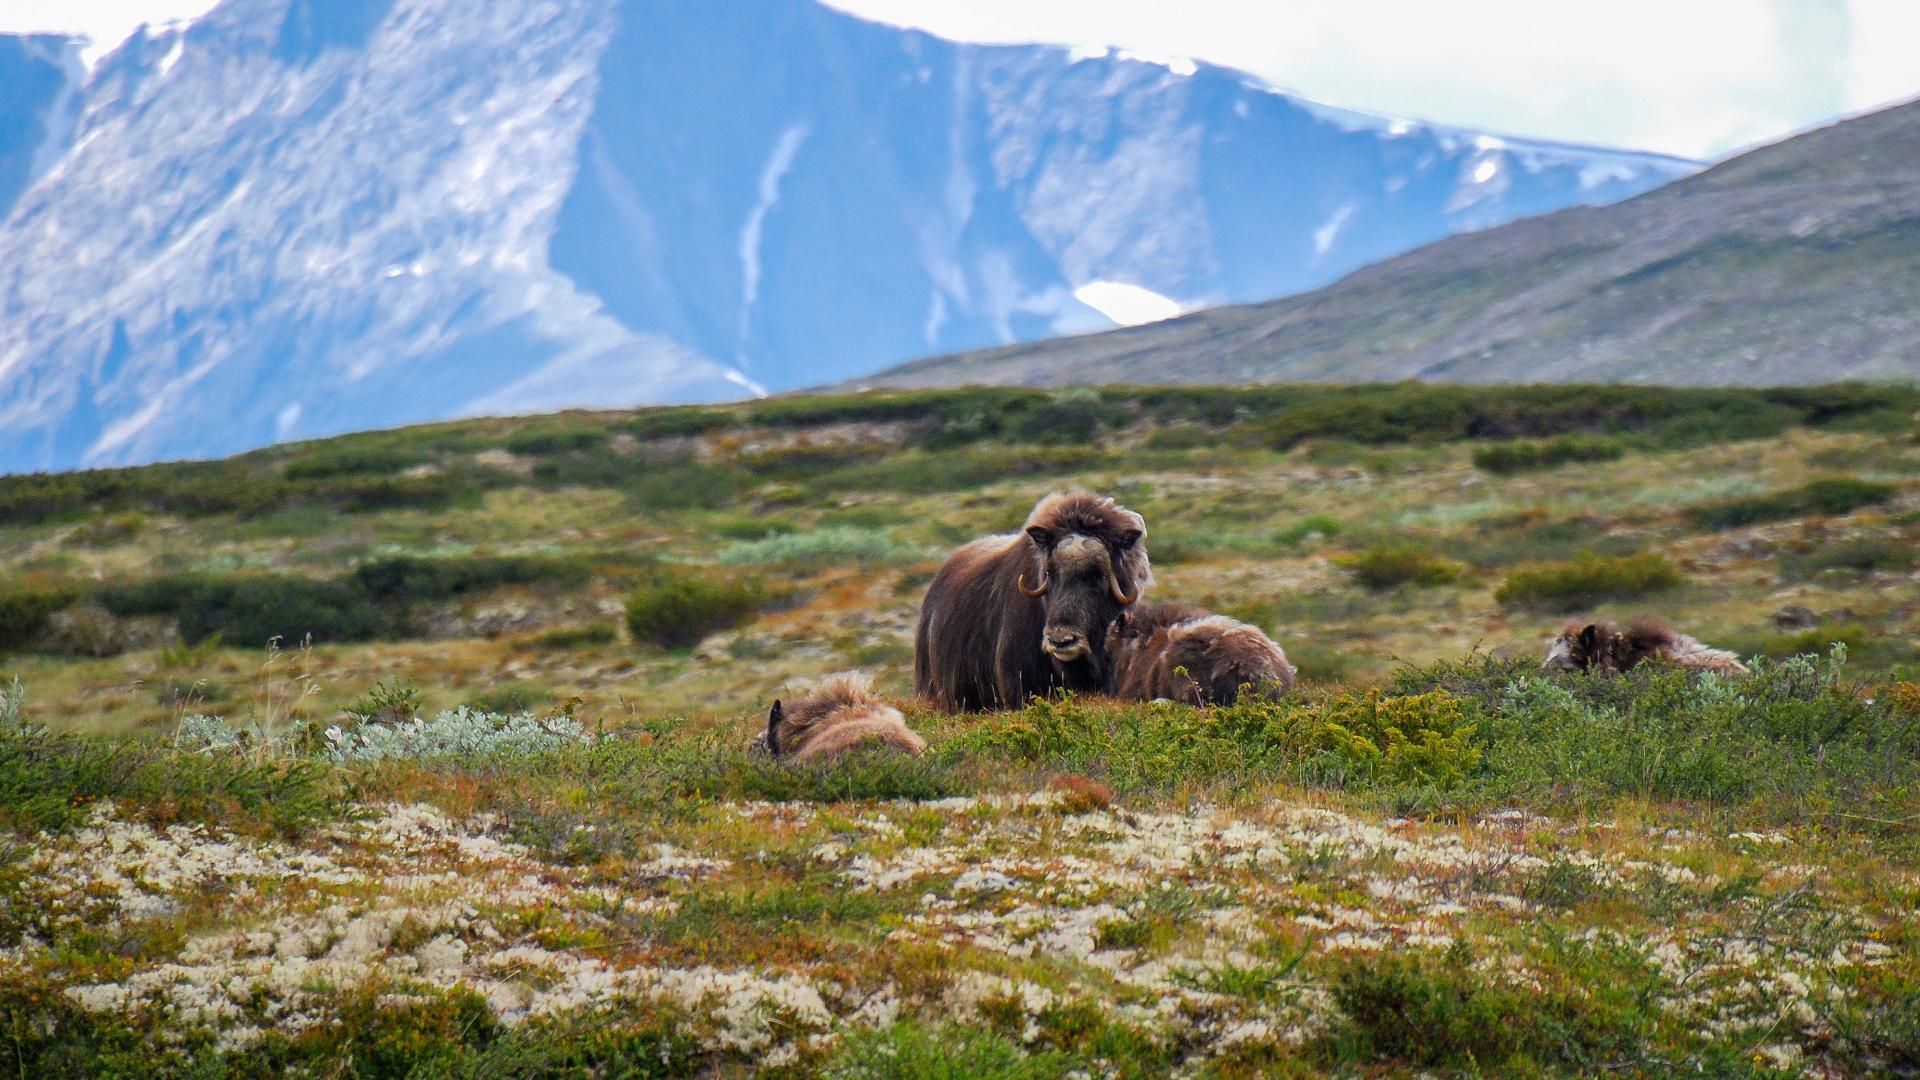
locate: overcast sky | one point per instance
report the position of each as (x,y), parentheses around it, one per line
(1692,77)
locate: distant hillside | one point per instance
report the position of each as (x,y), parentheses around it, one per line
(1795,263)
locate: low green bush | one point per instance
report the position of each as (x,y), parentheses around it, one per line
(1793,737)
(1587,580)
(49,780)
(249,611)
(1389,566)
(1836,495)
(679,422)
(673,609)
(327,461)
(25,612)
(1441,1011)
(1422,741)
(407,579)
(1532,455)
(1310,528)
(545,440)
(1860,555)
(832,546)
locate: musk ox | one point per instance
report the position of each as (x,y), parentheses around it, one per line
(841,714)
(1185,653)
(1009,617)
(1603,646)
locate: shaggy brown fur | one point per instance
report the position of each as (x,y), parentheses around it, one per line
(1009,617)
(842,714)
(1602,646)
(1186,653)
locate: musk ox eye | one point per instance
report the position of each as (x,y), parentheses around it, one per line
(1040,536)
(1126,540)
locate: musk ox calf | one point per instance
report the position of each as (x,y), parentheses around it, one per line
(1185,653)
(1009,617)
(841,714)
(1602,646)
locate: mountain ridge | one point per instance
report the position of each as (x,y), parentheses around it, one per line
(293,218)
(1791,263)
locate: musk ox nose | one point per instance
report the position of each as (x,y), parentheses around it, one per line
(1065,644)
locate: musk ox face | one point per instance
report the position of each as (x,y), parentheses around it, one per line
(1084,581)
(1577,648)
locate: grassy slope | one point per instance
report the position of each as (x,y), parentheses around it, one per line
(1658,875)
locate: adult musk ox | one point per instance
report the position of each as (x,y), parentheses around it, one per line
(1605,647)
(841,714)
(1186,653)
(1009,617)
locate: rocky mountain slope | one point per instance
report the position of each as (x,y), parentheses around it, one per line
(298,217)
(1794,263)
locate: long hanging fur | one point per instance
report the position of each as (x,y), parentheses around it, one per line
(1186,653)
(842,713)
(979,640)
(1602,646)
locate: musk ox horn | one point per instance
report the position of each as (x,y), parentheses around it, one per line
(1034,594)
(1120,595)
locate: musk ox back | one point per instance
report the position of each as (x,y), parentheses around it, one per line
(1602,646)
(1185,653)
(1009,617)
(841,714)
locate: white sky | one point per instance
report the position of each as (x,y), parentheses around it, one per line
(1694,77)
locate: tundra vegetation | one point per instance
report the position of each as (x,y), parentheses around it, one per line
(499,817)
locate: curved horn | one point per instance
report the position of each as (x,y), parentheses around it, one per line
(1120,595)
(1034,594)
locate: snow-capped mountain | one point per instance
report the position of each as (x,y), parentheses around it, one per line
(298,217)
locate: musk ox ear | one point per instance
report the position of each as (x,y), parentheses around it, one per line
(1041,536)
(1590,637)
(1127,539)
(774,716)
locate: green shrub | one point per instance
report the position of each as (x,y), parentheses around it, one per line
(1416,742)
(1389,566)
(1587,580)
(1838,495)
(679,422)
(909,1050)
(1311,527)
(584,636)
(921,472)
(1516,538)
(49,780)
(1791,738)
(1530,455)
(26,611)
(407,579)
(1861,555)
(832,546)
(1441,1011)
(250,611)
(329,461)
(543,441)
(678,608)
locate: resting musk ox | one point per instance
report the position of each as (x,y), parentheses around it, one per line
(1186,653)
(841,714)
(1605,647)
(1009,617)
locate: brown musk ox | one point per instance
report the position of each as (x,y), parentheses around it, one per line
(840,714)
(1602,646)
(1010,617)
(1189,654)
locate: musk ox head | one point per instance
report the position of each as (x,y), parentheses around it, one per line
(1088,563)
(840,713)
